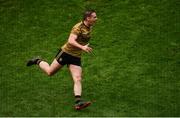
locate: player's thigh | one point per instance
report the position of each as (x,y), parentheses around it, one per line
(76,71)
(55,66)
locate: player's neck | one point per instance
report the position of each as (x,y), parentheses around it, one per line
(86,23)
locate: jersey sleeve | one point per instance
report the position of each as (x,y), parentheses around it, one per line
(76,30)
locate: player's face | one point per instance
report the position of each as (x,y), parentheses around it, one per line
(93,18)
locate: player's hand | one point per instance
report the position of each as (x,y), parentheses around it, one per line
(86,48)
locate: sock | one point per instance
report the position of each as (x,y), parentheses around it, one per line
(38,61)
(77,98)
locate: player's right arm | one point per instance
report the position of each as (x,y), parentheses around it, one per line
(72,40)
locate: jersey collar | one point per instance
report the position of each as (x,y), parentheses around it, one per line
(86,25)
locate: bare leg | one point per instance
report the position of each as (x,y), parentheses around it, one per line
(76,72)
(50,69)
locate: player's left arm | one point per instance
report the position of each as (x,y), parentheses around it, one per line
(72,40)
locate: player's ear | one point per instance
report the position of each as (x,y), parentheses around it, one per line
(88,18)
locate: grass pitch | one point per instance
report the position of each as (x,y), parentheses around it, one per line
(134,70)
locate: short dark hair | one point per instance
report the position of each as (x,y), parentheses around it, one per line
(88,13)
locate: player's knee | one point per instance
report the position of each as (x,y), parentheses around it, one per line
(50,73)
(77,78)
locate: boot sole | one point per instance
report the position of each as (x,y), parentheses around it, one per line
(83,106)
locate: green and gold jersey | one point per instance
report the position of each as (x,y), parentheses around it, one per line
(83,37)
